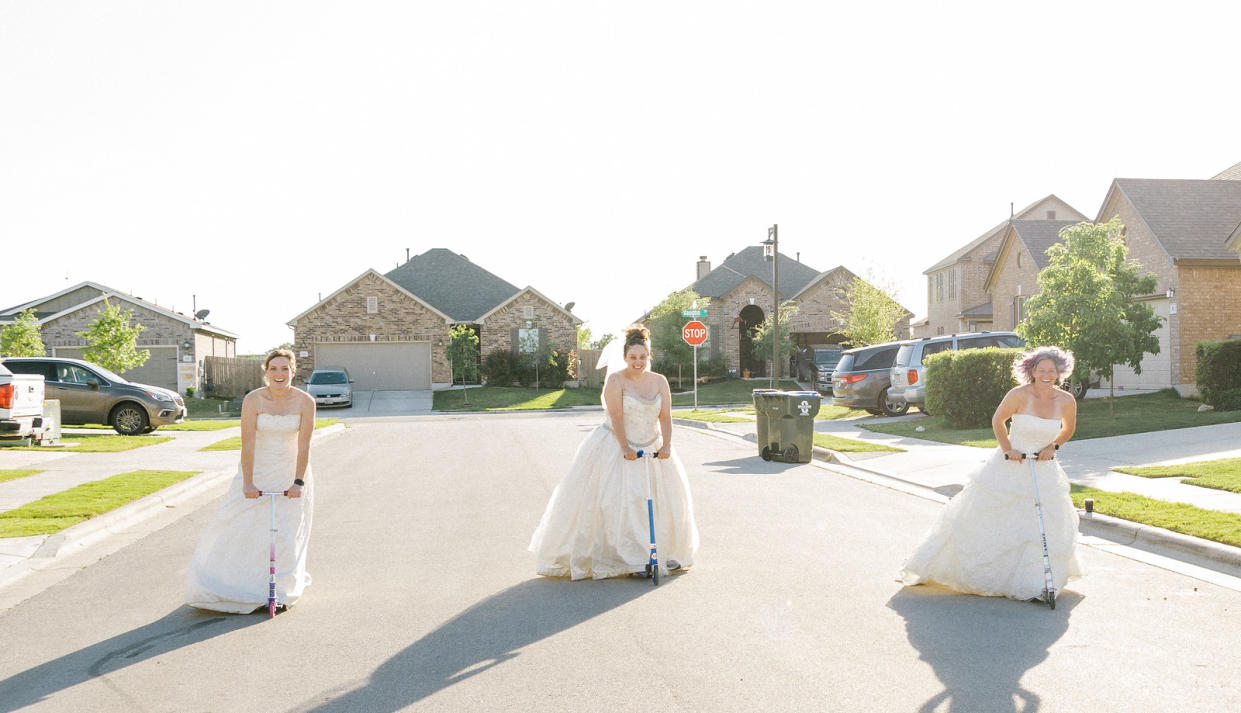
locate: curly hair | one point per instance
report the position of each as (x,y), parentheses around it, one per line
(1023,367)
(637,334)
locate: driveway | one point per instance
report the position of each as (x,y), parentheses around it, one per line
(382,403)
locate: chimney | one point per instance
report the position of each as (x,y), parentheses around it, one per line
(704,267)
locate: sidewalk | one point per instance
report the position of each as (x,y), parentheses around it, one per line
(944,467)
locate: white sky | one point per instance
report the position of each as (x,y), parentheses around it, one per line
(257,154)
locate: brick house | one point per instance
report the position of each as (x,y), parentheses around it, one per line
(177,342)
(742,297)
(1180,231)
(389,330)
(957,300)
(1014,270)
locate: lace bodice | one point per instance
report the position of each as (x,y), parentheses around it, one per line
(275,441)
(641,420)
(1032,433)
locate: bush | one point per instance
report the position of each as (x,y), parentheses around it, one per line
(965,387)
(189,392)
(500,368)
(554,370)
(1219,373)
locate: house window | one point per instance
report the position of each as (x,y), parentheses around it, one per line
(527,340)
(930,290)
(527,312)
(1019,309)
(1051,215)
(372,305)
(939,287)
(1018,258)
(952,284)
(939,330)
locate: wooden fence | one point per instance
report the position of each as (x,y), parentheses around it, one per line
(587,374)
(231,377)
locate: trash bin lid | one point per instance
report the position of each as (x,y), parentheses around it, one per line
(766,391)
(803,394)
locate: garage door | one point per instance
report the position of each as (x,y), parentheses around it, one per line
(160,368)
(1156,368)
(380,366)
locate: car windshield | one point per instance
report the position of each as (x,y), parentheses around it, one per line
(108,375)
(1012,341)
(826,358)
(328,377)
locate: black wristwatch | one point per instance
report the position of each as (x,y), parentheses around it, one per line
(298,481)
(1057,445)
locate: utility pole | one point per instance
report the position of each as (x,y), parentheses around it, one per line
(771,251)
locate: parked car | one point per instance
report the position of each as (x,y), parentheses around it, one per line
(862,380)
(908,378)
(816,363)
(21,404)
(89,393)
(330,387)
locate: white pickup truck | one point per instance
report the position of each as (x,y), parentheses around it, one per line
(21,405)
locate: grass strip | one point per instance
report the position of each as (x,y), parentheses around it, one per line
(729,391)
(1223,474)
(55,512)
(91,443)
(1187,519)
(234,443)
(1160,411)
(851,445)
(512,398)
(712,416)
(6,475)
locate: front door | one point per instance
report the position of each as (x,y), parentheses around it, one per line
(751,317)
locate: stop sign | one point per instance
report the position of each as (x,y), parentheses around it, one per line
(694,333)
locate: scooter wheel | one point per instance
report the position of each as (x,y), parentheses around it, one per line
(271,610)
(655,576)
(1051,599)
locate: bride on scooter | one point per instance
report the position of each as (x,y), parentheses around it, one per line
(596,522)
(987,540)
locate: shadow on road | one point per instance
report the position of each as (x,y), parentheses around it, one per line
(980,647)
(751,466)
(181,627)
(479,638)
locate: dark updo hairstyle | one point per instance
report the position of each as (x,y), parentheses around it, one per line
(637,334)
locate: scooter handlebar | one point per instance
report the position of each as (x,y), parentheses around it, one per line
(273,492)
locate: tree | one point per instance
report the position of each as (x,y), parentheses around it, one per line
(602,342)
(873,314)
(462,352)
(111,342)
(1087,301)
(22,338)
(665,323)
(583,337)
(761,340)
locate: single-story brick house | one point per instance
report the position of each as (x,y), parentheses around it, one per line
(957,299)
(177,342)
(741,298)
(389,330)
(1179,229)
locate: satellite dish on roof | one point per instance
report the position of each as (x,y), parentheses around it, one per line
(569,306)
(202,314)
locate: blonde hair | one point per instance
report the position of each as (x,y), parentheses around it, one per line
(280,353)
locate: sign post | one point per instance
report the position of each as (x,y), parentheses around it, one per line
(694,333)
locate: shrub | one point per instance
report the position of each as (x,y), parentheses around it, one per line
(965,387)
(1219,373)
(499,368)
(189,392)
(554,370)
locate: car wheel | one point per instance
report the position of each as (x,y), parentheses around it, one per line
(129,419)
(1077,388)
(892,407)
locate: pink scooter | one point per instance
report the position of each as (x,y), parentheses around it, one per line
(272,604)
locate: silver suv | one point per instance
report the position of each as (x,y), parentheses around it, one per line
(89,393)
(908,377)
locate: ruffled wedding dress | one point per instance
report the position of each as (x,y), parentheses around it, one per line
(229,569)
(987,539)
(595,524)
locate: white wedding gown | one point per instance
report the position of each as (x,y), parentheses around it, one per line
(229,572)
(596,522)
(987,539)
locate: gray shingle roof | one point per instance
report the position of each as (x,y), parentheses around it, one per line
(970,246)
(982,310)
(1232,173)
(452,284)
(1190,218)
(1038,235)
(794,276)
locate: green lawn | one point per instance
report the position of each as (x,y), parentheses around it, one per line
(15,474)
(234,443)
(1159,411)
(102,443)
(729,391)
(850,445)
(513,398)
(1222,527)
(1222,474)
(712,416)
(69,507)
(207,408)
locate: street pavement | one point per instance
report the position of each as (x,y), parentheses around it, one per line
(424,598)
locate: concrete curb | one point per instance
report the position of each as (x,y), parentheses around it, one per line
(1093,524)
(128,516)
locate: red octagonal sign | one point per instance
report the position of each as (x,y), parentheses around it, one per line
(694,333)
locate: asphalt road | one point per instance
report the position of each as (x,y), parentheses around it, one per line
(424,598)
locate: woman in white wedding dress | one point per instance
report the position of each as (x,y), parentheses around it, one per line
(596,524)
(229,572)
(987,540)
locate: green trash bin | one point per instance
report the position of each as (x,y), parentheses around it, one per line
(763,406)
(791,435)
